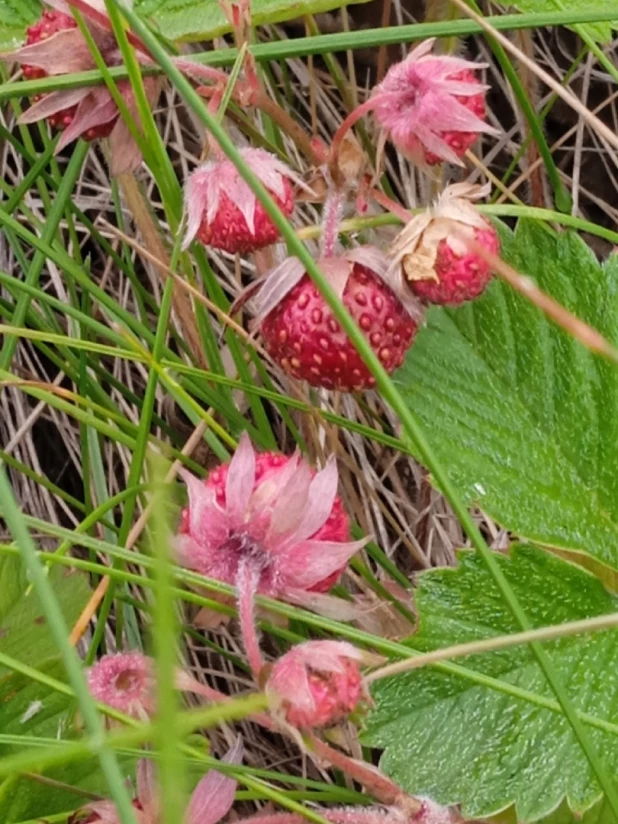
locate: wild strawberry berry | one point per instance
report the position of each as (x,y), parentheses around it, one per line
(434,254)
(459,275)
(56,46)
(316,684)
(302,335)
(222,210)
(272,512)
(50,24)
(432,107)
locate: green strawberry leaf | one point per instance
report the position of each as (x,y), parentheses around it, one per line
(15,17)
(29,709)
(204,19)
(601,32)
(23,631)
(523,416)
(465,744)
(175,19)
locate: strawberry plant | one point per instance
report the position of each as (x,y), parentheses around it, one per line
(308,379)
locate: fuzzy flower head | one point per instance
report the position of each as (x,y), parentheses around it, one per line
(432,255)
(432,107)
(222,210)
(316,684)
(56,46)
(211,800)
(271,515)
(124,681)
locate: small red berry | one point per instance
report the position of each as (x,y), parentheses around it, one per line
(316,684)
(433,249)
(303,336)
(222,210)
(459,275)
(50,23)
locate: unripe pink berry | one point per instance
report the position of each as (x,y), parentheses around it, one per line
(432,107)
(272,512)
(316,684)
(124,681)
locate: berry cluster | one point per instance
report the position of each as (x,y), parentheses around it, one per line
(432,108)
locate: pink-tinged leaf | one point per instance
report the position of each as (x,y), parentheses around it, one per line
(320,502)
(328,656)
(290,681)
(278,283)
(311,562)
(125,154)
(198,193)
(338,271)
(94,110)
(213,797)
(291,503)
(267,493)
(51,104)
(240,481)
(440,112)
(147,788)
(63,53)
(207,521)
(436,145)
(370,257)
(105,810)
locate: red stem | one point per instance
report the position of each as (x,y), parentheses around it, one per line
(391,205)
(350,120)
(380,787)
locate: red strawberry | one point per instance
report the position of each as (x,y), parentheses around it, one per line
(433,250)
(50,23)
(303,336)
(460,275)
(222,210)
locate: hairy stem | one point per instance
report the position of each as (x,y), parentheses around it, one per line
(331,219)
(246,584)
(380,787)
